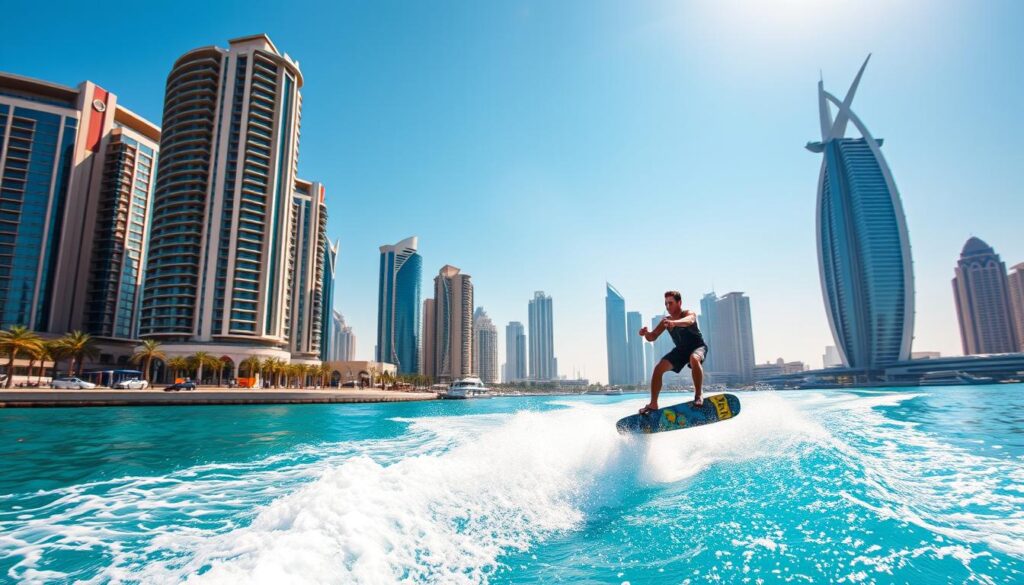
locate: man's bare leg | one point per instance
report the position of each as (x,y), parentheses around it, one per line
(659,370)
(697,369)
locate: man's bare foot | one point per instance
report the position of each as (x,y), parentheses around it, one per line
(648,409)
(698,401)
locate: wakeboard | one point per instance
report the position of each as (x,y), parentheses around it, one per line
(682,416)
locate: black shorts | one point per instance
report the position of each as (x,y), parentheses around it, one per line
(679,357)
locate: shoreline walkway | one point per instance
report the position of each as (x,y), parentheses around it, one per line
(43,397)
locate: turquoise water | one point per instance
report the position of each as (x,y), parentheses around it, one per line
(888,486)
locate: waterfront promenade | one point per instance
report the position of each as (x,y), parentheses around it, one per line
(41,397)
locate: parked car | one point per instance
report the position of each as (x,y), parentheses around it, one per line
(186,385)
(73,383)
(132,384)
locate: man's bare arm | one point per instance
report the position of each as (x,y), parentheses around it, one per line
(652,335)
(689,318)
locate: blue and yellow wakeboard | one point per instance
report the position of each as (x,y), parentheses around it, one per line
(682,416)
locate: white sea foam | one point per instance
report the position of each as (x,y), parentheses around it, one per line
(448,498)
(767,426)
(926,480)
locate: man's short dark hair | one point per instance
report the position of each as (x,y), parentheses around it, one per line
(675,295)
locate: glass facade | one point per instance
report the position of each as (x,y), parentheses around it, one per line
(399,306)
(119,243)
(408,284)
(37,149)
(861,256)
(328,338)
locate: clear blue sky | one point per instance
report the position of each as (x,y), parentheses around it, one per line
(555,145)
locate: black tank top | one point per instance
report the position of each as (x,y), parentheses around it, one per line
(687,337)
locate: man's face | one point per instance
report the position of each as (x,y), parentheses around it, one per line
(671,304)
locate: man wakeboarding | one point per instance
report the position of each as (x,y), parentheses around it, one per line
(689,349)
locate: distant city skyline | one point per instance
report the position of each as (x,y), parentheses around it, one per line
(623,138)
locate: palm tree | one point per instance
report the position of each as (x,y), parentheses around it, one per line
(56,351)
(17,340)
(325,374)
(177,364)
(199,360)
(252,364)
(220,366)
(146,353)
(273,367)
(46,352)
(78,346)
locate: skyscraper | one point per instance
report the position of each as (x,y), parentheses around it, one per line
(222,268)
(982,296)
(1016,282)
(329,338)
(449,347)
(428,355)
(706,323)
(734,338)
(343,345)
(863,247)
(542,338)
(515,352)
(831,359)
(311,277)
(398,305)
(635,348)
(78,182)
(649,362)
(485,347)
(615,336)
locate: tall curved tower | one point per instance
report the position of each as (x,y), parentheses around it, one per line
(867,278)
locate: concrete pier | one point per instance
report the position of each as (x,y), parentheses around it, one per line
(43,397)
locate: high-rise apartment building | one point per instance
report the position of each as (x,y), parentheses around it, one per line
(863,248)
(649,360)
(77,191)
(329,337)
(312,279)
(982,296)
(343,341)
(428,355)
(485,347)
(542,338)
(831,359)
(1016,285)
(734,338)
(448,347)
(223,266)
(398,305)
(515,352)
(615,336)
(706,324)
(635,348)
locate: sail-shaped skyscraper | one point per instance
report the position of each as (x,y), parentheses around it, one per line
(863,247)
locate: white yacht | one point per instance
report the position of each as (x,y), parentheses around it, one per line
(468,388)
